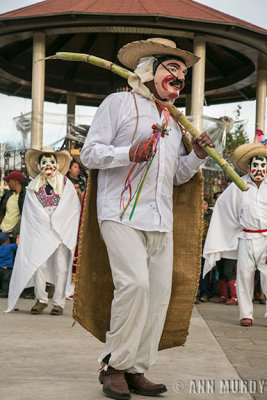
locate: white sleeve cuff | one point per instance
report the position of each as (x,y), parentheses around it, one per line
(194,161)
(122,156)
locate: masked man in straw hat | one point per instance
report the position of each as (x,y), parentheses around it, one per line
(132,131)
(238,228)
(48,231)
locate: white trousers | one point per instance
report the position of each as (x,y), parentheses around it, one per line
(60,265)
(141,265)
(252,254)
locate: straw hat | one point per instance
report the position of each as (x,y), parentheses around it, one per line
(31,158)
(242,154)
(130,54)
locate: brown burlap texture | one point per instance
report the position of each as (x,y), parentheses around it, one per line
(94,287)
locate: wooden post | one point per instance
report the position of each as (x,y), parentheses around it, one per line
(188,100)
(261,92)
(198,82)
(71,102)
(38,86)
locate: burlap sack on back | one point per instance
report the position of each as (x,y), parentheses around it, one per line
(94,287)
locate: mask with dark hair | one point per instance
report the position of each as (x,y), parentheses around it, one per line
(159,60)
(169,76)
(257,170)
(47,155)
(48,165)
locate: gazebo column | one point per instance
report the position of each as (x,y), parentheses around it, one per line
(71,103)
(261,92)
(38,87)
(188,100)
(198,81)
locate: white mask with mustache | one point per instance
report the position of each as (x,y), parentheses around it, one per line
(168,73)
(257,169)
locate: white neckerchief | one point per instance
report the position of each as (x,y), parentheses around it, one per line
(144,73)
(57,183)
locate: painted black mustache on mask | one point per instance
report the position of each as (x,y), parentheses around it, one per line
(259,173)
(176,82)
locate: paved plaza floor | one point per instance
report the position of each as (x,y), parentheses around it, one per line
(44,358)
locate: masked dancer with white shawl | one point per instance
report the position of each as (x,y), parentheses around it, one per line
(48,233)
(238,228)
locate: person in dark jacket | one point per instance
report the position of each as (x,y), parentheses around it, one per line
(11,204)
(74,175)
(78,181)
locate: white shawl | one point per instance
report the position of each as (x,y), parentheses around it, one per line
(40,236)
(224,228)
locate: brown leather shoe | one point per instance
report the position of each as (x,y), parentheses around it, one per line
(56,310)
(38,307)
(114,384)
(140,385)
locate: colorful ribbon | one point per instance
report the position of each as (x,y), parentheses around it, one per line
(158,132)
(260,136)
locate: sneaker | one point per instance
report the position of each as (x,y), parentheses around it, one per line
(246,322)
(221,299)
(232,302)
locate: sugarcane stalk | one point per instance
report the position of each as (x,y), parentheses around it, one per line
(176,114)
(225,166)
(99,62)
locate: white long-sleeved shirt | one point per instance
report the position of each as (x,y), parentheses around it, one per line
(107,148)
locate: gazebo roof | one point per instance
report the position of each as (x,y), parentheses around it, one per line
(101,27)
(186,9)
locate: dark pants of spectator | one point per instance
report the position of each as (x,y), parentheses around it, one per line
(225,266)
(207,284)
(5,275)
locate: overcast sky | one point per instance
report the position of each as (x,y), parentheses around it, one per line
(250,11)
